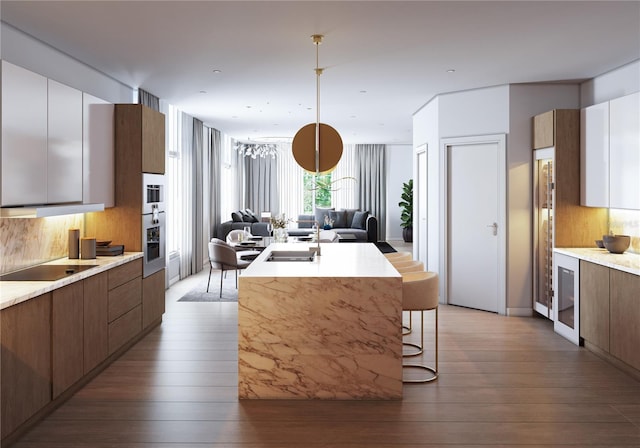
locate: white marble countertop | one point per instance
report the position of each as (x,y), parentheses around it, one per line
(337,260)
(626,262)
(12,293)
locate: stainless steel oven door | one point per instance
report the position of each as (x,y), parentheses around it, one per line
(152,192)
(153,239)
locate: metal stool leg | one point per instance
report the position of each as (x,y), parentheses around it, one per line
(434,371)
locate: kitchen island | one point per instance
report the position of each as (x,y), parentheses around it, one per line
(323,329)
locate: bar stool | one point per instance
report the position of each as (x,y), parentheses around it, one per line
(420,293)
(403,267)
(397,256)
(408,266)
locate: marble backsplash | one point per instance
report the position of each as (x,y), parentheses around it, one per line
(27,242)
(626,222)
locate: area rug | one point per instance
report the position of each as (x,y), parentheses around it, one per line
(200,294)
(385,247)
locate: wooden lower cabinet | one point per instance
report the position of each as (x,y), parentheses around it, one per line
(25,361)
(125,328)
(594,304)
(153,298)
(125,304)
(67,336)
(625,317)
(96,314)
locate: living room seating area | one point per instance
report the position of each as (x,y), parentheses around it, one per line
(361,224)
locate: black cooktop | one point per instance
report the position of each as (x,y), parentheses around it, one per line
(45,272)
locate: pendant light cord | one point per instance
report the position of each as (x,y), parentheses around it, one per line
(317,40)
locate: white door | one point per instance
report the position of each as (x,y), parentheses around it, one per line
(421,217)
(475,186)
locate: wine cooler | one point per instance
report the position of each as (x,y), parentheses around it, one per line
(543,200)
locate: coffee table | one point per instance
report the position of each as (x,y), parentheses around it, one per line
(347,238)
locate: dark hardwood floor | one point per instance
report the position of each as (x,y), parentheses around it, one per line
(504,381)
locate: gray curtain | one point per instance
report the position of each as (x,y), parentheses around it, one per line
(198,197)
(215,197)
(261,184)
(187,197)
(148,99)
(372,182)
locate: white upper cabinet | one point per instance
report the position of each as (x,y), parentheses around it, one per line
(24,137)
(98,151)
(594,155)
(624,152)
(64,144)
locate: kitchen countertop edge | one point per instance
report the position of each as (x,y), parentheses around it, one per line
(626,262)
(13,293)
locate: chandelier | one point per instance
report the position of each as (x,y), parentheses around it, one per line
(317,147)
(255,150)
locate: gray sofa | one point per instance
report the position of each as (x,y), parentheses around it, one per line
(239,220)
(346,221)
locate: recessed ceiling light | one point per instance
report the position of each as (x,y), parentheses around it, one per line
(203,91)
(216,71)
(363,91)
(451,70)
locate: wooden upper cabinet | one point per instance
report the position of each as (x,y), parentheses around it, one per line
(140,139)
(543,130)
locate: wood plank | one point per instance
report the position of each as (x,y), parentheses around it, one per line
(504,381)
(67,335)
(153,298)
(124,273)
(25,361)
(123,329)
(594,304)
(625,317)
(124,298)
(96,314)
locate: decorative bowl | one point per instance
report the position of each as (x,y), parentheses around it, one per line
(616,244)
(103,243)
(600,244)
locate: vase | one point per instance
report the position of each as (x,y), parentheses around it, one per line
(280,235)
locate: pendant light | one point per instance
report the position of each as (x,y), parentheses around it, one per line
(317,147)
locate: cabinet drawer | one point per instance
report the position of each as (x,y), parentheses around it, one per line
(125,328)
(124,298)
(122,274)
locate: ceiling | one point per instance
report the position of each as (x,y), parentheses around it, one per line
(383,60)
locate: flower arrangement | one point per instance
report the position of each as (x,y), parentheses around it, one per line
(328,223)
(279,222)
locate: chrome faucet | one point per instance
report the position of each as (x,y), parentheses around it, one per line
(317,248)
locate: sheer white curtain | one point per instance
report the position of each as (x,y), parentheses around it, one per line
(186,206)
(290,183)
(345,187)
(372,183)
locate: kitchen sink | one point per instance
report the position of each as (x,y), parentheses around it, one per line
(45,272)
(290,255)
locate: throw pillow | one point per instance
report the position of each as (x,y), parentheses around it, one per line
(305,221)
(251,216)
(349,212)
(236,217)
(245,216)
(360,220)
(339,218)
(320,213)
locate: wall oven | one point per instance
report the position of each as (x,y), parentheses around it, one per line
(153,223)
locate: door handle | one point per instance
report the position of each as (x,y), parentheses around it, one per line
(495,227)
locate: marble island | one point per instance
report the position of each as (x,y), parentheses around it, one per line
(323,329)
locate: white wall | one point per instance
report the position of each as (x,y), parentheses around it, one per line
(399,163)
(613,84)
(507,110)
(25,51)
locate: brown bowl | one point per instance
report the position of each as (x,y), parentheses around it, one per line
(600,244)
(616,244)
(103,243)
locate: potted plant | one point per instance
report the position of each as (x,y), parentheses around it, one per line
(406,217)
